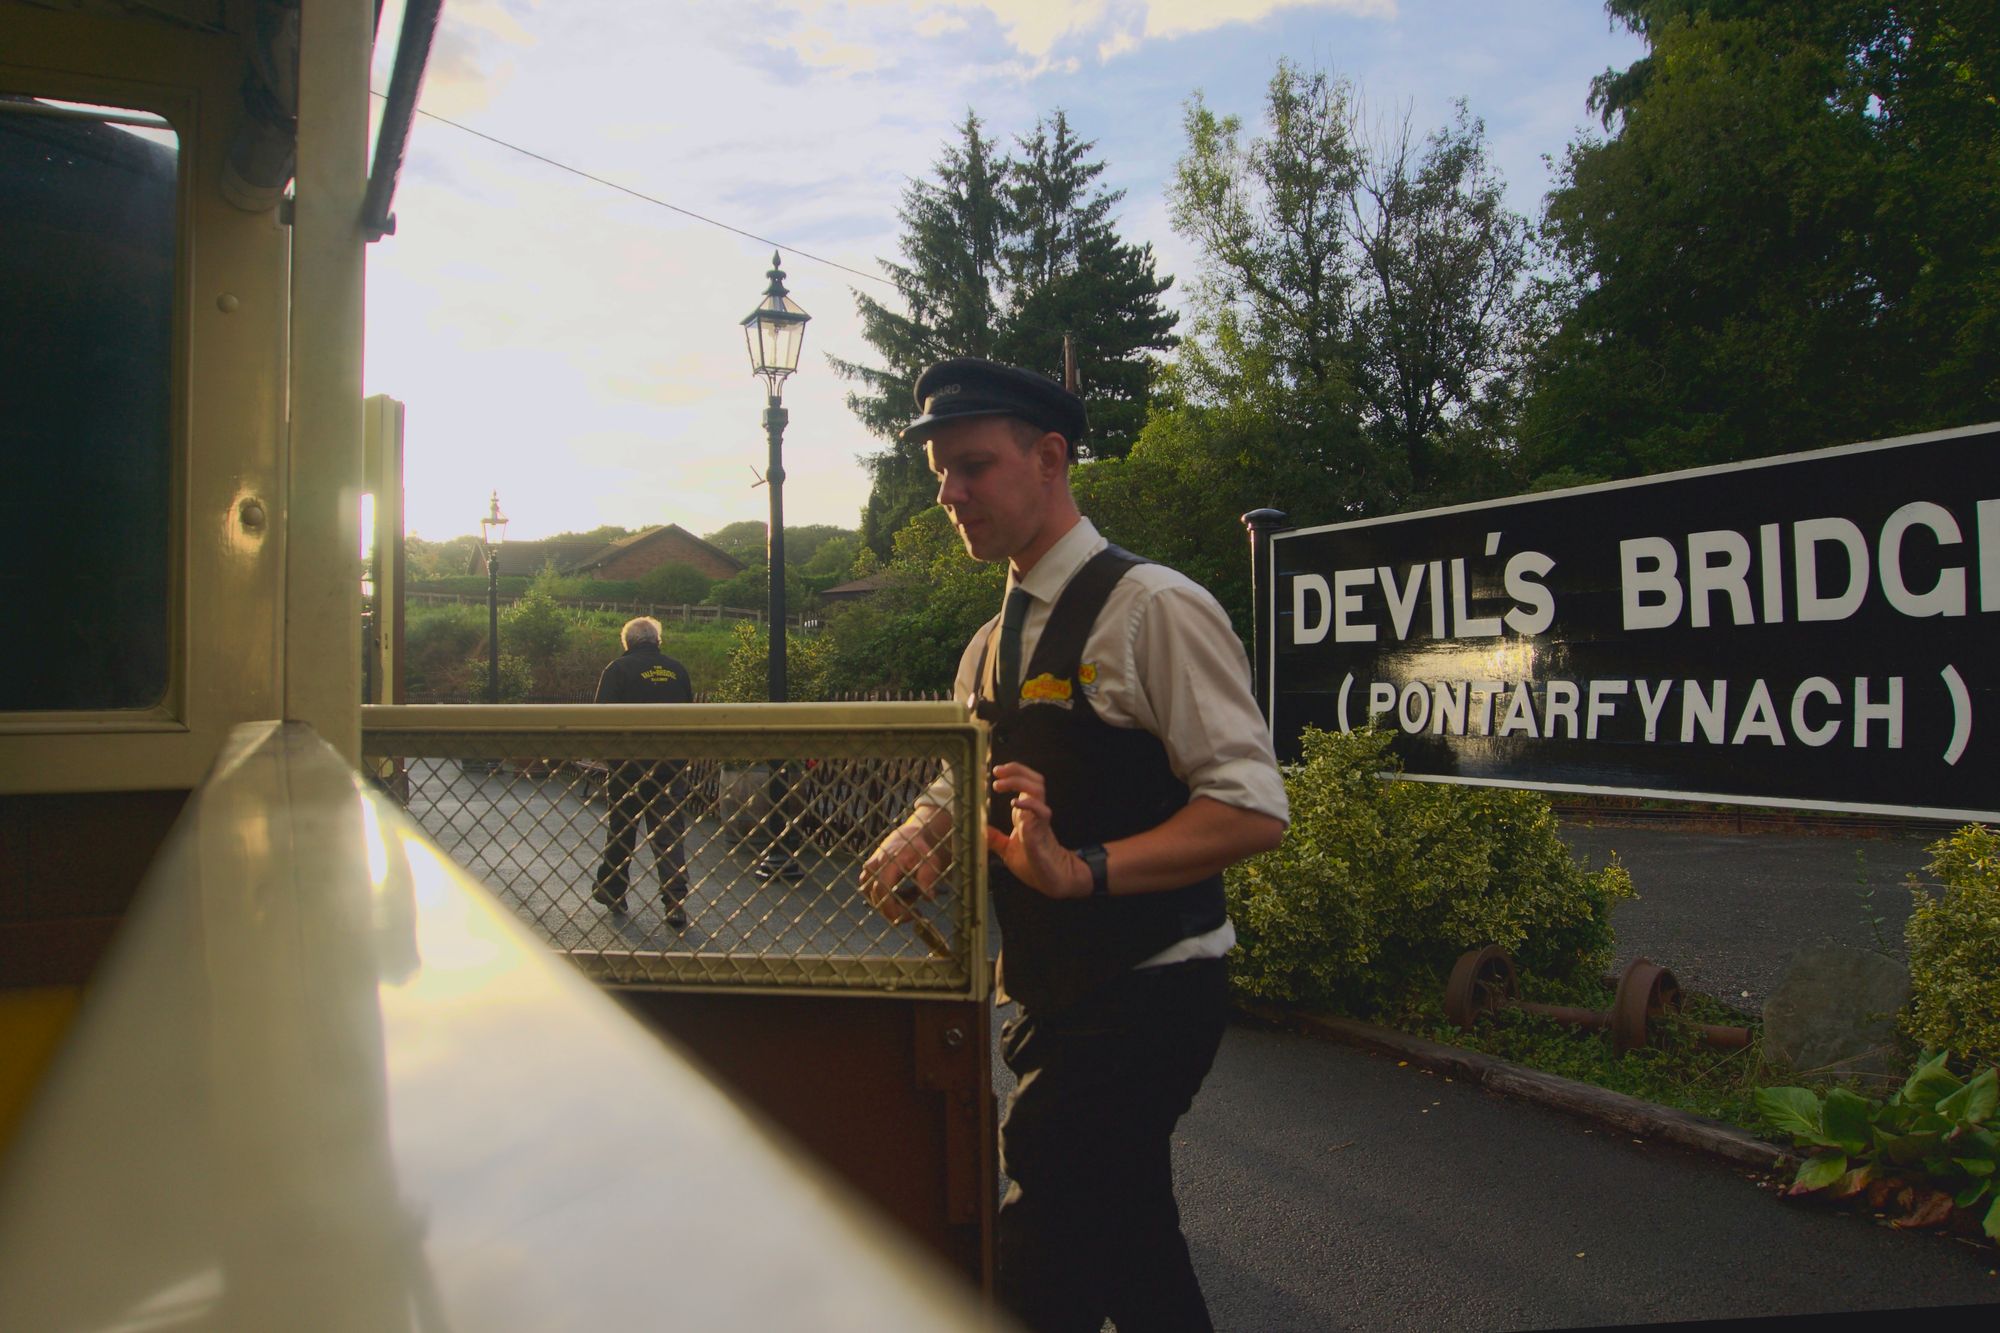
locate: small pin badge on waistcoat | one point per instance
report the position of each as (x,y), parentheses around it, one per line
(1086,676)
(1046,689)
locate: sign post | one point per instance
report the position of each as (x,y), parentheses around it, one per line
(1818,630)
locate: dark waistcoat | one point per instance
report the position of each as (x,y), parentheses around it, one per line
(1104,782)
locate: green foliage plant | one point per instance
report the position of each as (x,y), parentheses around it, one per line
(1930,1147)
(746,676)
(1954,950)
(517,678)
(1380,885)
(535,626)
(674,584)
(1864,893)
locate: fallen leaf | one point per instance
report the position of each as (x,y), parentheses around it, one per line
(1852,1183)
(1933,1209)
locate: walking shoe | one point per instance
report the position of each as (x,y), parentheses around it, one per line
(677,916)
(613,899)
(773,867)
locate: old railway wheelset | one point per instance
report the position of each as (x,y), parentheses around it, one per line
(1485,982)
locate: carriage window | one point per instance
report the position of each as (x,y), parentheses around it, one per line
(87,208)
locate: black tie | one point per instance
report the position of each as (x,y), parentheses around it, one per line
(1012,617)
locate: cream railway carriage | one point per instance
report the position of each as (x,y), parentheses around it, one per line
(303,1000)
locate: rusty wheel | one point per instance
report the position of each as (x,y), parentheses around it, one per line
(1480,983)
(1645,992)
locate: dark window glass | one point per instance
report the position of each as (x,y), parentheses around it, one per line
(86,344)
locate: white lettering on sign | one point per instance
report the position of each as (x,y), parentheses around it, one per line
(1834,566)
(1816,710)
(1305,629)
(1347,601)
(1947,596)
(1357,604)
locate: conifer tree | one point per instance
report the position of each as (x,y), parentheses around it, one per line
(1000,258)
(1068,273)
(952,229)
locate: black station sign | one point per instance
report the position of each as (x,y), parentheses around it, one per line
(1818,630)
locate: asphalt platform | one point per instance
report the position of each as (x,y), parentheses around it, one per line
(1328,1187)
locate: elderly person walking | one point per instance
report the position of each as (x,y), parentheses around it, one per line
(643,674)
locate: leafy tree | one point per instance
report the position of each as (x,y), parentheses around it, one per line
(605,533)
(1359,297)
(835,555)
(1439,306)
(1790,237)
(745,540)
(909,635)
(435,560)
(674,584)
(751,589)
(803,543)
(1000,258)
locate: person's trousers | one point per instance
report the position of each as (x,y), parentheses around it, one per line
(1089,1228)
(652,792)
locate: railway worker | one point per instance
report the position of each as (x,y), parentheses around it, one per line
(637,788)
(1131,767)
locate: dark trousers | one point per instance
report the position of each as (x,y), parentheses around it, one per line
(654,792)
(1089,1227)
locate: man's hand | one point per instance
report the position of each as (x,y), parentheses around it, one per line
(1032,852)
(917,849)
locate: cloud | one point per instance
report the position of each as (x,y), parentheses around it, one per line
(472,54)
(816,48)
(1179,18)
(867,37)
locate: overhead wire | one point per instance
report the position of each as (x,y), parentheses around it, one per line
(641,195)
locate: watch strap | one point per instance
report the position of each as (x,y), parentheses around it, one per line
(1094,857)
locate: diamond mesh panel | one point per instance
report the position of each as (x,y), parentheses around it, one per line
(702,859)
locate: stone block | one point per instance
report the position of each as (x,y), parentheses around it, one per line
(1835,1010)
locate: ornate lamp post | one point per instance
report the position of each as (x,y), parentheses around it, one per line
(775,331)
(493,531)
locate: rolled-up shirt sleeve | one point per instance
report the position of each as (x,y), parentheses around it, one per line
(1193,693)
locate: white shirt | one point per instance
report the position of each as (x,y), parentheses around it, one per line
(1165,660)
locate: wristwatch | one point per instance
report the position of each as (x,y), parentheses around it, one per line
(1093,856)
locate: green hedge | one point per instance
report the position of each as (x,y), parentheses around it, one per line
(1380,885)
(1954,943)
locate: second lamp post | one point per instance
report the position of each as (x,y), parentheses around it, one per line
(493,531)
(775,331)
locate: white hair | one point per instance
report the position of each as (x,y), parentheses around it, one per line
(640,629)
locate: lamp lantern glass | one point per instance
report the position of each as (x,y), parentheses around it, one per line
(493,528)
(775,332)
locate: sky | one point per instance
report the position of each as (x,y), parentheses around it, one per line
(579,350)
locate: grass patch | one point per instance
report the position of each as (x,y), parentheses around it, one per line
(1675,1069)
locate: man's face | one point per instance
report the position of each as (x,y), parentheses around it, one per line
(995,489)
